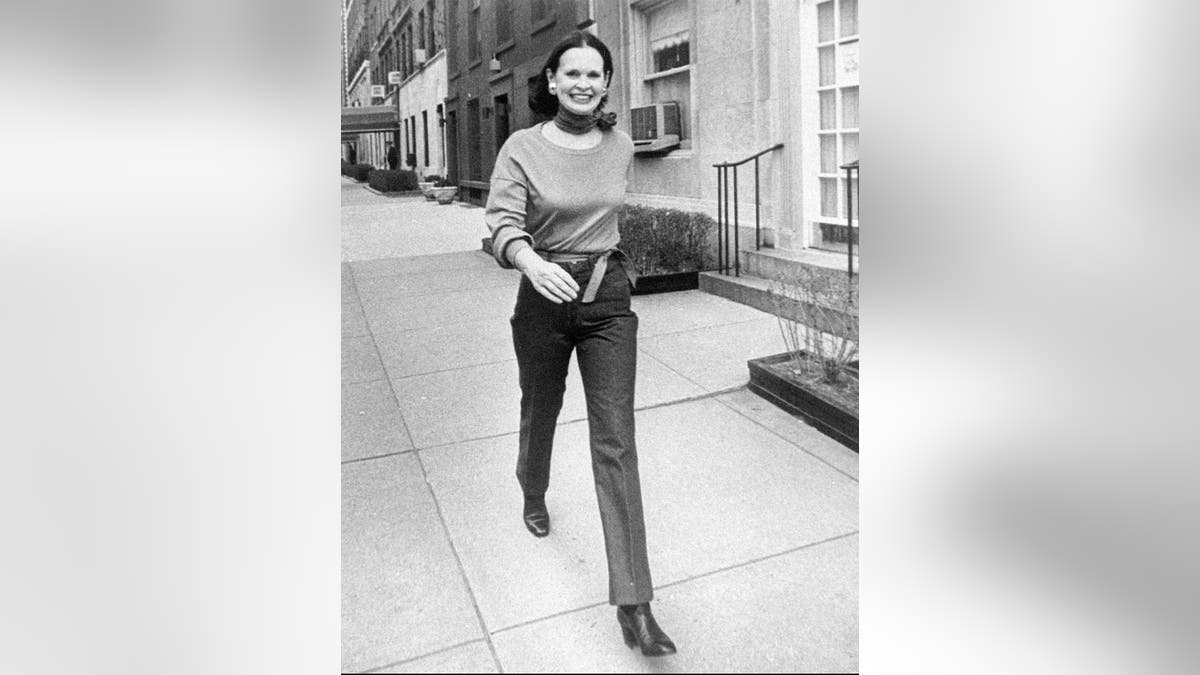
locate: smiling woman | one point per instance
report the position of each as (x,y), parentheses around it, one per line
(556,191)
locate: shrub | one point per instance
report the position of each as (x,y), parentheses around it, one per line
(818,316)
(666,240)
(358,172)
(386,180)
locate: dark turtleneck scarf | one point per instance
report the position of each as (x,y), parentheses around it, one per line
(573,123)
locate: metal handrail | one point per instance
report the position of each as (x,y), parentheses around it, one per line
(723,222)
(756,155)
(850,167)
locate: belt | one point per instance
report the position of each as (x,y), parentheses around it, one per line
(600,267)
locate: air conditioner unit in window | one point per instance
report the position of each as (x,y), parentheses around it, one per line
(655,127)
(419,56)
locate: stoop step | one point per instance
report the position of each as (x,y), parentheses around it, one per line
(760,268)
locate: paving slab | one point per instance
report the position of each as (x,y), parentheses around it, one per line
(360,360)
(427,310)
(792,428)
(718,491)
(484,400)
(409,227)
(402,594)
(427,350)
(684,310)
(792,613)
(371,421)
(459,405)
(516,576)
(715,356)
(437,263)
(474,657)
(452,278)
(354,322)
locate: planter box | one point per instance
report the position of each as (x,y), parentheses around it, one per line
(829,416)
(407,193)
(444,195)
(665,283)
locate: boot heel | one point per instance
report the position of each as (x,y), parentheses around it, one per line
(630,641)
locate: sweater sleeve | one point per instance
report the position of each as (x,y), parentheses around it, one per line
(505,211)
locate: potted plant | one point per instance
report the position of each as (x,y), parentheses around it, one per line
(668,247)
(817,377)
(426,185)
(444,191)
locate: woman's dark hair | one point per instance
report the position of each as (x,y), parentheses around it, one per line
(541,101)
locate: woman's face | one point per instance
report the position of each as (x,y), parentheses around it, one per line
(579,81)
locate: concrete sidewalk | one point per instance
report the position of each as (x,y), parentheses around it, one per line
(751,515)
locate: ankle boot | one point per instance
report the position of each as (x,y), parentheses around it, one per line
(537,518)
(638,627)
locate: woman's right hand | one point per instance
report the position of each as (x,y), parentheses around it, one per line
(552,281)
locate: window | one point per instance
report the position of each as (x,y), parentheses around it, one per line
(669,37)
(474,163)
(412,61)
(661,63)
(412,141)
(421,31)
(502,123)
(425,133)
(837,99)
(431,41)
(538,10)
(472,39)
(503,21)
(452,170)
(452,51)
(403,54)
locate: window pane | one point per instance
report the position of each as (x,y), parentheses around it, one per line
(668,19)
(854,196)
(849,148)
(824,21)
(829,197)
(827,65)
(828,109)
(670,52)
(503,21)
(668,31)
(849,108)
(849,17)
(829,163)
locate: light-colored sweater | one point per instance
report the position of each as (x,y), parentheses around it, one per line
(556,199)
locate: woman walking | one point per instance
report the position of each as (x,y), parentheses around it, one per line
(552,211)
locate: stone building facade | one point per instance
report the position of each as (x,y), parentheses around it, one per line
(743,76)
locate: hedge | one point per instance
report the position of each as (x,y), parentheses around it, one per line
(393,181)
(667,240)
(358,172)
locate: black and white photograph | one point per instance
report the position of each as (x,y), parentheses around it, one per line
(600,336)
(564,372)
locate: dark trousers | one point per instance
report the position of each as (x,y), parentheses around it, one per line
(603,334)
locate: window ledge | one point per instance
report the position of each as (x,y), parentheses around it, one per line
(507,72)
(505,46)
(474,64)
(668,73)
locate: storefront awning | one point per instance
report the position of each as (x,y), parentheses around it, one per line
(368,119)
